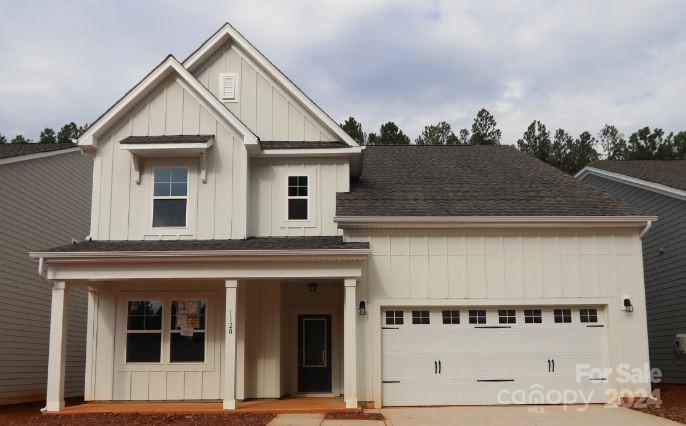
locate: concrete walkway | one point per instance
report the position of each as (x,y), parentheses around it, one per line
(521,416)
(317,420)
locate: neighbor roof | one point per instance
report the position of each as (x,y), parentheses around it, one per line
(464,180)
(167,139)
(665,172)
(8,150)
(251,243)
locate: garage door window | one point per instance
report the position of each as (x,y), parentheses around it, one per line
(451,317)
(507,316)
(420,317)
(532,316)
(395,317)
(477,316)
(563,316)
(588,315)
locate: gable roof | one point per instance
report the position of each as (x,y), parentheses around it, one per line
(227,32)
(166,68)
(9,150)
(463,181)
(670,173)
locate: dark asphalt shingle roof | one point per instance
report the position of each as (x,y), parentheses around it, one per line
(8,150)
(302,144)
(665,172)
(251,243)
(167,139)
(462,180)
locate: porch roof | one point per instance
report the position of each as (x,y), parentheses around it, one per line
(248,244)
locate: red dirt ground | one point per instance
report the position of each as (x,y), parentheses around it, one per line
(673,403)
(29,414)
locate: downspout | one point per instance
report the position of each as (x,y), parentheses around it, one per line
(645,229)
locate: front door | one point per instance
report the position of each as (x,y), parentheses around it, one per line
(314,353)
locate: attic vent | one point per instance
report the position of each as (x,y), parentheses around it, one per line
(228,85)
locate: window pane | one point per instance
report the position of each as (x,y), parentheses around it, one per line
(302,191)
(136,322)
(162,189)
(292,180)
(292,191)
(153,322)
(144,315)
(143,347)
(163,175)
(187,348)
(188,314)
(179,189)
(297,209)
(136,307)
(179,175)
(169,213)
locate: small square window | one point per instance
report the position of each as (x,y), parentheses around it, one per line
(451,317)
(477,316)
(588,315)
(563,316)
(533,316)
(507,316)
(420,317)
(395,317)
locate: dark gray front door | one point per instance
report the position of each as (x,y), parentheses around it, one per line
(314,353)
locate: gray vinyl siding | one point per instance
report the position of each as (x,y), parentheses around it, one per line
(44,202)
(665,274)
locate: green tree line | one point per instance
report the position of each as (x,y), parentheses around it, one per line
(560,149)
(65,135)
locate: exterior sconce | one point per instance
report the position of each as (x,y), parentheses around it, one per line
(628,307)
(312,287)
(362,310)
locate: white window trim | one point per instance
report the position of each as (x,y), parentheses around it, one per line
(299,197)
(236,87)
(127,331)
(154,197)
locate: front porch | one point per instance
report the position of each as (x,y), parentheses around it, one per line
(193,331)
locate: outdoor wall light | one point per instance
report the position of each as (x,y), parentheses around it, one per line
(312,287)
(628,307)
(362,310)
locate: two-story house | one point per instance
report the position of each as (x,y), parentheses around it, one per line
(243,246)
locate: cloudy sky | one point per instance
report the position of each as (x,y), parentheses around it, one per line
(572,64)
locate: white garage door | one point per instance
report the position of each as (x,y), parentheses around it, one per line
(504,355)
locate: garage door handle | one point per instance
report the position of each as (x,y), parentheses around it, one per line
(435,367)
(439,367)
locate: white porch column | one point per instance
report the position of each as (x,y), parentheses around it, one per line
(230,346)
(58,347)
(350,344)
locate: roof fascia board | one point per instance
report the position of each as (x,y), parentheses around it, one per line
(145,86)
(26,157)
(316,152)
(632,181)
(228,32)
(491,222)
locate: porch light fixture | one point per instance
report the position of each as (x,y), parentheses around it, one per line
(628,307)
(362,310)
(312,287)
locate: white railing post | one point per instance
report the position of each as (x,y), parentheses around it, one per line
(350,344)
(230,346)
(58,347)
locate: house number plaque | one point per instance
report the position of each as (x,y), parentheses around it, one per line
(230,323)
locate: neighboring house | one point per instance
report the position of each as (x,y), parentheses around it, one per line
(658,187)
(244,246)
(45,197)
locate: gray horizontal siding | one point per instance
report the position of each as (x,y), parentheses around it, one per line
(43,203)
(665,274)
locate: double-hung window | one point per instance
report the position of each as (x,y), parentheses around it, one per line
(187,331)
(144,331)
(298,198)
(170,197)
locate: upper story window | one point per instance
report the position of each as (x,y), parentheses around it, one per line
(298,197)
(170,198)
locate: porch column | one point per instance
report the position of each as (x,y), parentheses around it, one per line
(350,344)
(230,346)
(58,347)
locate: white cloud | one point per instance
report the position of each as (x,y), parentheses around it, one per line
(575,65)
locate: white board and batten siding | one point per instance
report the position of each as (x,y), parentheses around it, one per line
(45,203)
(527,267)
(268,189)
(262,105)
(216,209)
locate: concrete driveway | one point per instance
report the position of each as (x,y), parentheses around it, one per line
(521,416)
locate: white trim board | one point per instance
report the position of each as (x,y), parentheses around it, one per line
(632,181)
(227,32)
(37,155)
